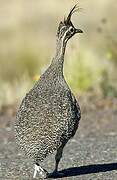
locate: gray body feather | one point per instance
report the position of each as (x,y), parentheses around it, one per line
(48,116)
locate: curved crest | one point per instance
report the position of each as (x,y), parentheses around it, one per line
(73,10)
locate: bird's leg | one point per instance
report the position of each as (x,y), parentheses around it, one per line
(36,169)
(58,157)
(42,172)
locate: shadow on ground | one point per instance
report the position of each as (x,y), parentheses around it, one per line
(75,171)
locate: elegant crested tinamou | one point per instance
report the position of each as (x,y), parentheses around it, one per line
(49,113)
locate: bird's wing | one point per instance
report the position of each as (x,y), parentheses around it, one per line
(76,107)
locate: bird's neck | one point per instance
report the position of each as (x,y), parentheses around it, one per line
(58,60)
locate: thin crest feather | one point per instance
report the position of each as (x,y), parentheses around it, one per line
(67,21)
(75,8)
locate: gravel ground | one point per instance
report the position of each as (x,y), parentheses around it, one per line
(91,154)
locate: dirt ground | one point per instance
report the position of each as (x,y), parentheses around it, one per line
(90,155)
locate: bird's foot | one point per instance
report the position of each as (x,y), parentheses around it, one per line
(42,172)
(56,174)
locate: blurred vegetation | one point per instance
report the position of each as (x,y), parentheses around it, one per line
(82,75)
(27,36)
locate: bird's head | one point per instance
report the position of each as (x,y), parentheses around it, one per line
(66,28)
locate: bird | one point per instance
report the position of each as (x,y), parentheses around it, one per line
(49,114)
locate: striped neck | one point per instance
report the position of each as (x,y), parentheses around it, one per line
(58,60)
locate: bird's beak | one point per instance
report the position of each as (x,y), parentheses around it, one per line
(78,31)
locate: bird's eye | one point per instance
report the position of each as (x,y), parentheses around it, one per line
(71,29)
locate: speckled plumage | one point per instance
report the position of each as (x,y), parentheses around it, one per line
(49,114)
